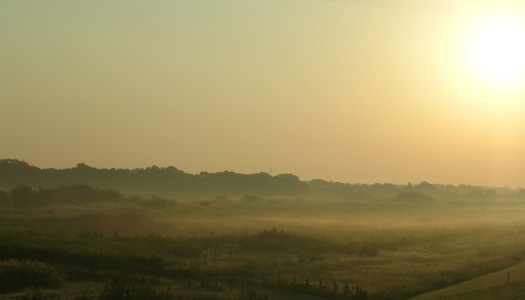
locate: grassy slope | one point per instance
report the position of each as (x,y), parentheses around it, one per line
(490,286)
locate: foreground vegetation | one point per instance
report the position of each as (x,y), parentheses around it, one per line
(504,284)
(87,243)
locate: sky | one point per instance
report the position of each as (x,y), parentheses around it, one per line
(351,91)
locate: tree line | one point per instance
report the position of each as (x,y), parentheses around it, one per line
(154,179)
(24,195)
(170,181)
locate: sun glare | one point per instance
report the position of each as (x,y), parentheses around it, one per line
(497,51)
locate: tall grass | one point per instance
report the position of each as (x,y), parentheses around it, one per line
(390,251)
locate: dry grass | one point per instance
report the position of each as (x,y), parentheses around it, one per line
(393,251)
(505,284)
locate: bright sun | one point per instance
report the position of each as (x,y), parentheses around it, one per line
(497,51)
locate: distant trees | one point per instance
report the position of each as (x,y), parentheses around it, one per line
(414,197)
(417,193)
(170,181)
(251,199)
(4,197)
(154,179)
(23,195)
(484,196)
(157,201)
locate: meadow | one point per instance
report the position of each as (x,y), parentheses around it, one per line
(245,248)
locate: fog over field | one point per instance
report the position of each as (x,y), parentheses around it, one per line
(277,149)
(162,233)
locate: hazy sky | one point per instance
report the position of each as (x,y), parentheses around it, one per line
(352,91)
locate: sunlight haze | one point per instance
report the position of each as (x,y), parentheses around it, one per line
(351,91)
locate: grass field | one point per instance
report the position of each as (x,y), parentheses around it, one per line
(210,249)
(505,284)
